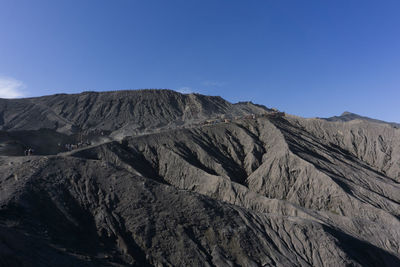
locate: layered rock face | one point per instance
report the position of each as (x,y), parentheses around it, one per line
(259,189)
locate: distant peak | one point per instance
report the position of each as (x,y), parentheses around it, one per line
(349,116)
(347,113)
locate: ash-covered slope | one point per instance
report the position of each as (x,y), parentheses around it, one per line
(250,162)
(133,111)
(263,190)
(48,123)
(61,211)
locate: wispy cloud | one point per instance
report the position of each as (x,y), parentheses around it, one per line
(11,88)
(185,90)
(214,83)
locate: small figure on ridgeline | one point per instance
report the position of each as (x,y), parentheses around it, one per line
(26,152)
(29,152)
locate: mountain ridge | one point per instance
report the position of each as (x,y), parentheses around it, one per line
(257,189)
(349,116)
(163,106)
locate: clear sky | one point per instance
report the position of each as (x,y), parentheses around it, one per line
(306,57)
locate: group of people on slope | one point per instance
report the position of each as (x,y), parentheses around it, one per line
(29,152)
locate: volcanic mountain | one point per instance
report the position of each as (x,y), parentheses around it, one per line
(158,178)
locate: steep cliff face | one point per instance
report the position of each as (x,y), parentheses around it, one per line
(263,190)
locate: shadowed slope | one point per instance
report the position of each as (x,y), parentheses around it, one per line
(91,213)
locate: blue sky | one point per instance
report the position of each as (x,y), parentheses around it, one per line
(309,58)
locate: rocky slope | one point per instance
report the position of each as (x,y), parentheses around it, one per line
(48,123)
(264,190)
(115,111)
